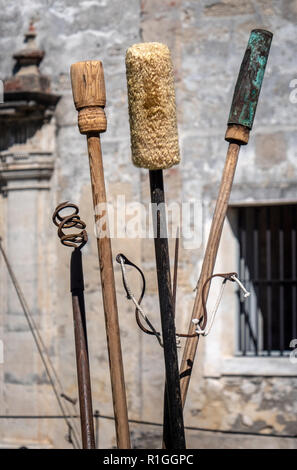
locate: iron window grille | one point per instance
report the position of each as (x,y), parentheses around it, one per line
(267,266)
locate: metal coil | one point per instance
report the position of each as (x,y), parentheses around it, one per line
(75,240)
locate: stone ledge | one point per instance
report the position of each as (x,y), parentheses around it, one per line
(262,366)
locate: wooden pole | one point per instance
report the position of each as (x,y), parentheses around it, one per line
(208,263)
(176,438)
(240,122)
(88,88)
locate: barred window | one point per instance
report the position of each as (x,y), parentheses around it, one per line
(267,266)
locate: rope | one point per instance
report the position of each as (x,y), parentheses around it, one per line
(43,354)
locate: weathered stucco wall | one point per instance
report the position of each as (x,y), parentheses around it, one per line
(207,40)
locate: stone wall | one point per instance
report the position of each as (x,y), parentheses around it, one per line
(207,40)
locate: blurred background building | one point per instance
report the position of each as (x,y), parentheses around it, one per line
(243,382)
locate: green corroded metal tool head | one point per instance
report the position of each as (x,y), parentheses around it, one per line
(248,85)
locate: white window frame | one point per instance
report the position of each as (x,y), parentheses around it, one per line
(219,348)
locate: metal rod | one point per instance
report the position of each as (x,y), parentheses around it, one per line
(281,286)
(241,275)
(78,240)
(176,424)
(250,274)
(294,296)
(81,347)
(246,278)
(255,275)
(166,424)
(268,274)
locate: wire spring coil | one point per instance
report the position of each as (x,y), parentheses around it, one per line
(75,240)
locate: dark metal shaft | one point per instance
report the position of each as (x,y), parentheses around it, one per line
(82,356)
(166,420)
(175,412)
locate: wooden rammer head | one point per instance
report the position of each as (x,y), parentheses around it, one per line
(88,89)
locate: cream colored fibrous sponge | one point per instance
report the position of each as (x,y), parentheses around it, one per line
(152,111)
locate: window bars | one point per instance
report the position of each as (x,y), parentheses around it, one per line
(267,267)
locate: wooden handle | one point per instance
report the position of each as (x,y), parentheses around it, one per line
(88,88)
(249,82)
(109,300)
(208,264)
(240,122)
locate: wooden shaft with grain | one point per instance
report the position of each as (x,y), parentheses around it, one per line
(240,122)
(109,299)
(89,97)
(208,264)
